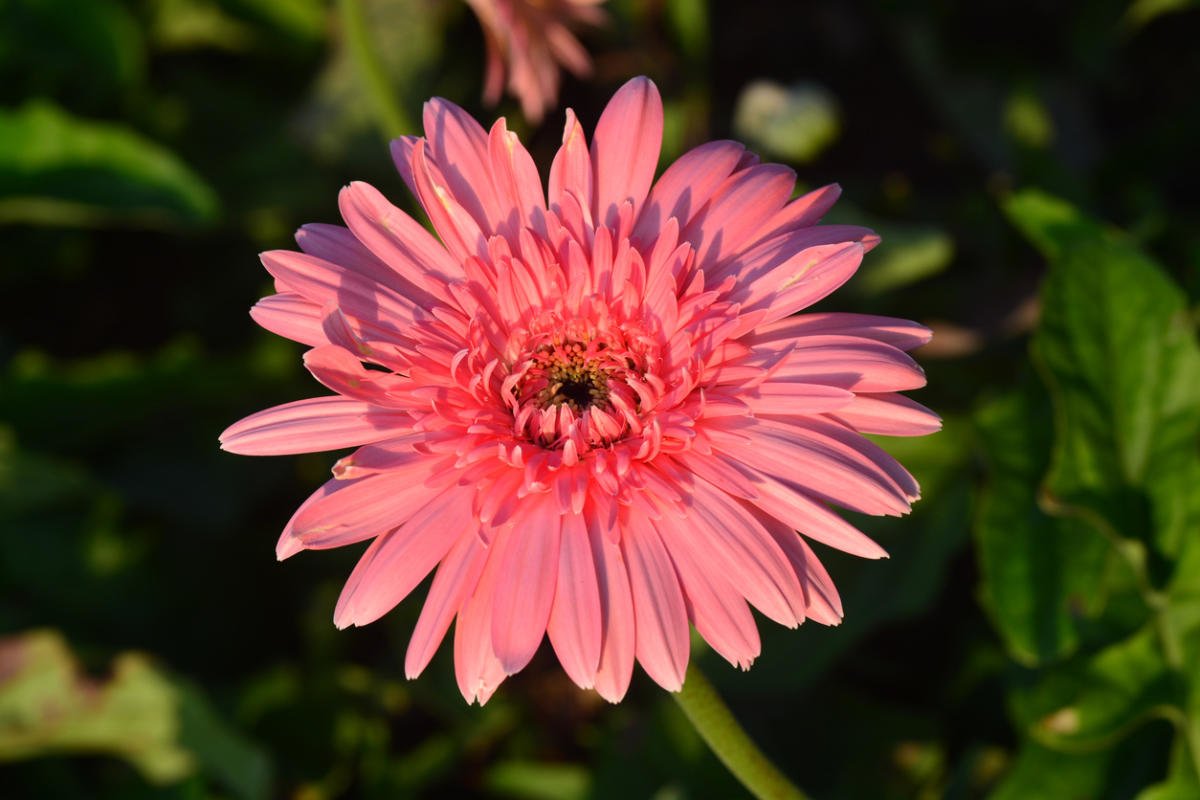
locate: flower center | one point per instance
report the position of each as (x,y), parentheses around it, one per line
(569,374)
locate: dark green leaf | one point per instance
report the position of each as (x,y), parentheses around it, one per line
(1041,576)
(1092,702)
(59,170)
(1120,358)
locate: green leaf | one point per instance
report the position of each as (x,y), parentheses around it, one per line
(1041,576)
(48,706)
(60,170)
(1091,703)
(1120,358)
(221,752)
(1039,773)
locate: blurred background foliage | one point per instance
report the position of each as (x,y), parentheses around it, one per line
(1036,633)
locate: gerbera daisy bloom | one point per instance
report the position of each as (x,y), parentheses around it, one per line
(527,40)
(589,406)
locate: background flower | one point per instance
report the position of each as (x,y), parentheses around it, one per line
(527,41)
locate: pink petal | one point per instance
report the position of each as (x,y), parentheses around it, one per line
(661,633)
(402,152)
(829,470)
(889,414)
(848,362)
(821,596)
(617,647)
(725,225)
(718,611)
(329,284)
(575,621)
(516,179)
(366,507)
(810,276)
(787,398)
(291,316)
(398,241)
(458,145)
(802,212)
(310,426)
(625,148)
(342,372)
(686,186)
(396,562)
(572,167)
(457,228)
(289,544)
(525,586)
(899,333)
(456,576)
(786,502)
(736,545)
(478,671)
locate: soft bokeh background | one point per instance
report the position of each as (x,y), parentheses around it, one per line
(1035,633)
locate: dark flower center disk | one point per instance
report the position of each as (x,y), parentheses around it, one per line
(578,385)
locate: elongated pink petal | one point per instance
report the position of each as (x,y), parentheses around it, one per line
(342,372)
(457,228)
(860,365)
(396,562)
(830,471)
(686,186)
(784,501)
(478,672)
(402,152)
(718,611)
(788,397)
(575,621)
(661,629)
(736,544)
(330,284)
(366,507)
(736,211)
(458,146)
(291,316)
(625,148)
(522,602)
(308,426)
(803,212)
(398,241)
(572,167)
(813,275)
(518,186)
(456,577)
(889,414)
(821,596)
(899,333)
(618,646)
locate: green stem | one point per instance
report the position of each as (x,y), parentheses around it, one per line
(391,117)
(726,738)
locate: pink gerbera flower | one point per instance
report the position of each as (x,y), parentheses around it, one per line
(527,40)
(588,407)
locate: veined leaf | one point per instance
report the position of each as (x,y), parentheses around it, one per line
(1120,358)
(1041,575)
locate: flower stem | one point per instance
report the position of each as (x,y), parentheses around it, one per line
(391,118)
(726,738)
